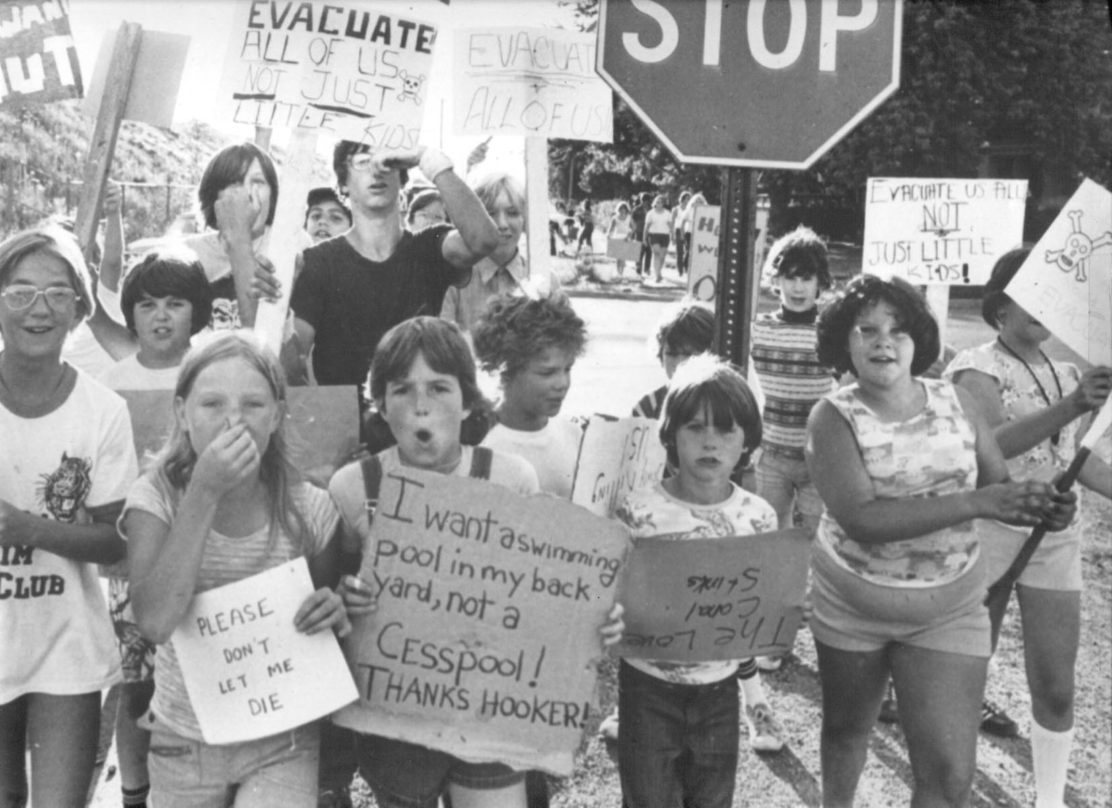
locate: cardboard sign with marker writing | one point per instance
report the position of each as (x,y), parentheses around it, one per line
(940,231)
(358,71)
(487,624)
(249,673)
(696,600)
(616,456)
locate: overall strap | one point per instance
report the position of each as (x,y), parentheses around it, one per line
(481,457)
(351,557)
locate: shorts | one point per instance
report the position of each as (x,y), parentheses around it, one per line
(1056,564)
(136,653)
(854,614)
(406,775)
(658,239)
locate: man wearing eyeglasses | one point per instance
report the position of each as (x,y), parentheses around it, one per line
(351,290)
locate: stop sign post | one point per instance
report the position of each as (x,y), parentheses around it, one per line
(749,84)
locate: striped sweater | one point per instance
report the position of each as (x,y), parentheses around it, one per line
(785,359)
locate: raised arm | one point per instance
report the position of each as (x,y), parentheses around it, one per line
(235,213)
(112,262)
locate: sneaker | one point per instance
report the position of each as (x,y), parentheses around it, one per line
(769,663)
(608,729)
(765,732)
(997,722)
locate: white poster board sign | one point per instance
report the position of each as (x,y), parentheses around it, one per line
(616,456)
(940,231)
(1066,281)
(702,271)
(249,673)
(529,81)
(358,71)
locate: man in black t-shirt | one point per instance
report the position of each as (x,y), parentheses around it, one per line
(351,290)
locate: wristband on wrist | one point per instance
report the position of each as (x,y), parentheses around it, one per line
(433,163)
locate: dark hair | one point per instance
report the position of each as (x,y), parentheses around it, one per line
(343,151)
(228,167)
(689,324)
(707,381)
(800,254)
(839,318)
(514,330)
(167,273)
(442,345)
(995,298)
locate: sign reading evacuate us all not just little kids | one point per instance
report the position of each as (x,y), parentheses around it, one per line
(486,633)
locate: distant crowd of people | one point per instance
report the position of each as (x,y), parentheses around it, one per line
(916,484)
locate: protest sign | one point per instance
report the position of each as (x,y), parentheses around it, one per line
(696,600)
(529,81)
(156,77)
(1066,281)
(358,71)
(940,231)
(489,606)
(616,456)
(38,58)
(323,422)
(249,673)
(702,268)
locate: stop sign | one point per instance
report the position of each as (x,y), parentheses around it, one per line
(755,83)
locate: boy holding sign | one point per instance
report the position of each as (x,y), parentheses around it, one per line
(679,720)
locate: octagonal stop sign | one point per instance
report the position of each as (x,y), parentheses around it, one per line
(756,83)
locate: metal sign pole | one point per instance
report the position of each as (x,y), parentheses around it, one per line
(734,301)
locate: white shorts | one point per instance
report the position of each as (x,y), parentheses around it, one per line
(1055,565)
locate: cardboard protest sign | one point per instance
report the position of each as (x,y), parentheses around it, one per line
(530,81)
(249,673)
(696,600)
(38,58)
(944,231)
(1066,281)
(489,606)
(702,270)
(155,79)
(616,456)
(356,70)
(324,425)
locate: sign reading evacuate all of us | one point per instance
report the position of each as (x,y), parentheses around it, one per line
(358,71)
(38,60)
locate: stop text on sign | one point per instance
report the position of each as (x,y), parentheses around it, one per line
(831,23)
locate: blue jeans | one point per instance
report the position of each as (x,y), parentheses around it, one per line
(678,744)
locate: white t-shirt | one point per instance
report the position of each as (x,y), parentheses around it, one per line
(128,374)
(55,634)
(654,512)
(552,451)
(82,350)
(658,221)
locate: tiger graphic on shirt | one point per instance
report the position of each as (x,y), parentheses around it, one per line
(63,491)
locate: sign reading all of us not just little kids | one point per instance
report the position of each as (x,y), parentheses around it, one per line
(486,632)
(249,673)
(359,71)
(940,231)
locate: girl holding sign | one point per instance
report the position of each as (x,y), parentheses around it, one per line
(68,459)
(222,503)
(904,466)
(1036,407)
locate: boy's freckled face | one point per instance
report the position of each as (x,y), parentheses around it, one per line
(539,388)
(798,293)
(424,411)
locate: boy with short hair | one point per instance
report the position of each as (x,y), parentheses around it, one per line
(326,216)
(685,329)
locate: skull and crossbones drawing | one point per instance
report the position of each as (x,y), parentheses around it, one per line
(1074,255)
(411,87)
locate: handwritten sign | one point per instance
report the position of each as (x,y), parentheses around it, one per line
(249,673)
(940,231)
(616,456)
(1066,281)
(38,58)
(530,81)
(352,69)
(696,600)
(323,422)
(487,624)
(702,272)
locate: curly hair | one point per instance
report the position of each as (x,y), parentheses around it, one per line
(709,382)
(800,254)
(168,273)
(515,330)
(228,167)
(839,318)
(686,327)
